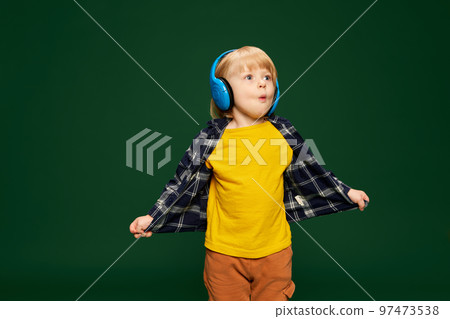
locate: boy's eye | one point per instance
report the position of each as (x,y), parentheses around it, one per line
(249,77)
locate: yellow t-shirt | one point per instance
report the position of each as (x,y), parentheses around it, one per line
(245,211)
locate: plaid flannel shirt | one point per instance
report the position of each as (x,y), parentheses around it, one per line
(309,189)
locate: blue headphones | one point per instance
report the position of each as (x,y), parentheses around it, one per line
(222,93)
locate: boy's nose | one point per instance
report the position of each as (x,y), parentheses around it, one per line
(262,83)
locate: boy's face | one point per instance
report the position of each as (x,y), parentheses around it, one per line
(253,91)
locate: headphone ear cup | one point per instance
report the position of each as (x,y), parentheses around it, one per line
(229,92)
(276,99)
(220,90)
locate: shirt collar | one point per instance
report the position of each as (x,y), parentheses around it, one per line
(220,123)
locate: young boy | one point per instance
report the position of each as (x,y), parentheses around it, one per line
(242,180)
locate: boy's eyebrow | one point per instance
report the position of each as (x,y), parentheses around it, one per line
(264,71)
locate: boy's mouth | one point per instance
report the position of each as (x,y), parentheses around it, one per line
(262,98)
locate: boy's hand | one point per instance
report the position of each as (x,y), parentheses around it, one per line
(139,225)
(358,197)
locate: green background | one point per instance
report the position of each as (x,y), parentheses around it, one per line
(376,106)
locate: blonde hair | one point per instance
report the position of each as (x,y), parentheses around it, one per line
(247,56)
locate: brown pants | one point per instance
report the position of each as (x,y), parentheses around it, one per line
(236,278)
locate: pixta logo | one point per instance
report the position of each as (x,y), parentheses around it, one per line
(252,151)
(145,148)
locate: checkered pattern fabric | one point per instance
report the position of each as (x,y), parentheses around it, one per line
(309,189)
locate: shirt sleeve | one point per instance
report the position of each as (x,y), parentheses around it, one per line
(176,185)
(344,186)
(311,170)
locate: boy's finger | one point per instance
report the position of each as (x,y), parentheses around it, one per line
(142,228)
(147,234)
(367,197)
(361,205)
